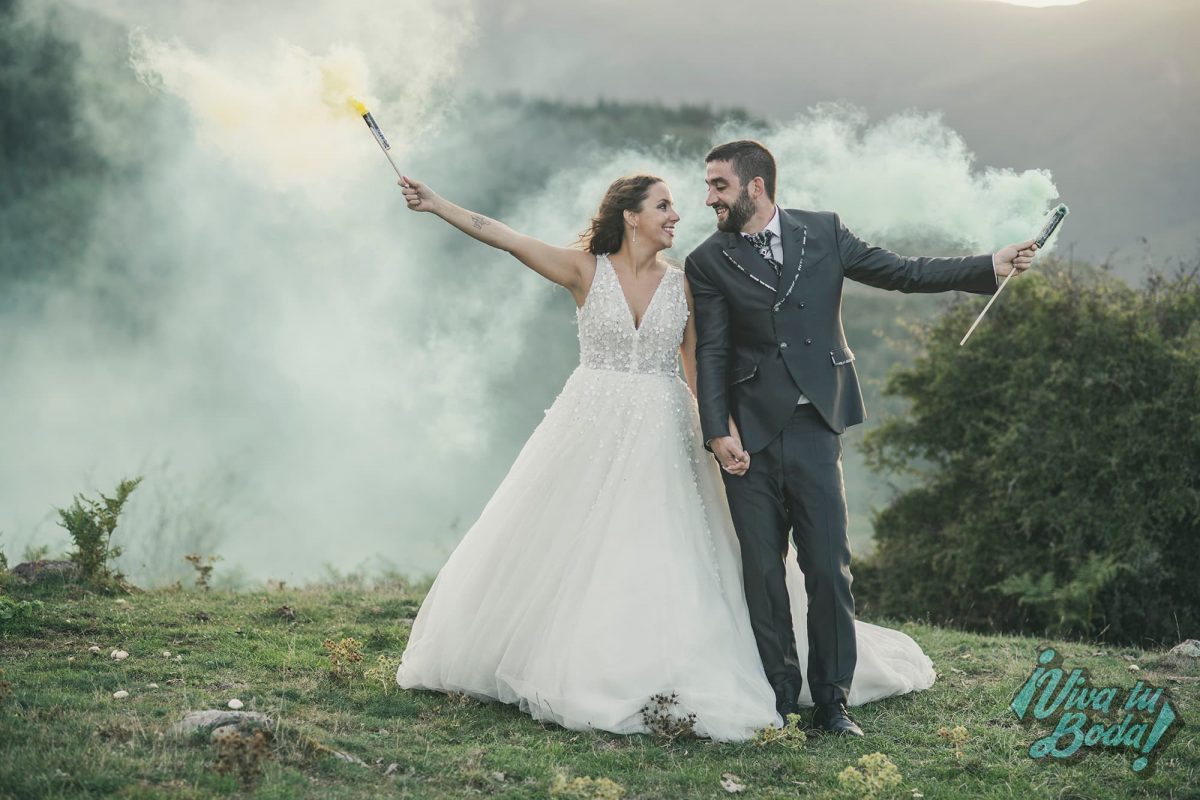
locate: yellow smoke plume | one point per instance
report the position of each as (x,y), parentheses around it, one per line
(281,114)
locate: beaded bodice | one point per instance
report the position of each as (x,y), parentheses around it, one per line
(607,337)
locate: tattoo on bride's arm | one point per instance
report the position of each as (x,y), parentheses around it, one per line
(479,221)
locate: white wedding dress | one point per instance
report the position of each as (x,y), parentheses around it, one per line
(605,568)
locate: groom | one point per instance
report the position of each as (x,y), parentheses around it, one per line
(771,352)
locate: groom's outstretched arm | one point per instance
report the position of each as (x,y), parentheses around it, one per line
(712,352)
(882,268)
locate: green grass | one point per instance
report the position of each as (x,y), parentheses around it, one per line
(63,735)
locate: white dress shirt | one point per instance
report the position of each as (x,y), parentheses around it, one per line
(777,252)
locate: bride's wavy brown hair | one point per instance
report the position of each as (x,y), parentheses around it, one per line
(607,229)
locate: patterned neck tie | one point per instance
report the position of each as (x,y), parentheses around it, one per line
(762,243)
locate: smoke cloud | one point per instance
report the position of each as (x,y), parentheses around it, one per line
(904,179)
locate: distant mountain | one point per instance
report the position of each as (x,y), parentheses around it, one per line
(1105,95)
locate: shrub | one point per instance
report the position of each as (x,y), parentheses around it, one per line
(16,609)
(1057,459)
(343,655)
(91,524)
(204,567)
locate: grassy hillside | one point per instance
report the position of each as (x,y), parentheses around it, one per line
(62,734)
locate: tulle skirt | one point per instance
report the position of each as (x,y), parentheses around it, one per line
(604,570)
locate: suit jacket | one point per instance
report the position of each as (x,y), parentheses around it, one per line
(763,339)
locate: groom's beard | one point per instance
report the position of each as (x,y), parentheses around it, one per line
(739,214)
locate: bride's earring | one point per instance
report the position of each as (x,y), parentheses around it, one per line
(635,234)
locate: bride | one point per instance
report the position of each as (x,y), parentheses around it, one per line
(605,569)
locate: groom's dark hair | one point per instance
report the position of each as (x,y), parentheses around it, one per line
(750,160)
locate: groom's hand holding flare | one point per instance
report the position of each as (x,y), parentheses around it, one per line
(1014,258)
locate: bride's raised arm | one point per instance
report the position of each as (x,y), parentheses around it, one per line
(564,265)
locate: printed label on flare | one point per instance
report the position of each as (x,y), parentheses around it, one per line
(383,142)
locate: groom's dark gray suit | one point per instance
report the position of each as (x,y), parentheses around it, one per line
(762,340)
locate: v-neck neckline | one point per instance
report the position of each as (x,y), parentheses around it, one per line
(637,327)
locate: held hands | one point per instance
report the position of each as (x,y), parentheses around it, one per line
(1014,258)
(418,196)
(728,450)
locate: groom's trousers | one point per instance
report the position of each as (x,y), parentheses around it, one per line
(795,483)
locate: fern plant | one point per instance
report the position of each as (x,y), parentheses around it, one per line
(91,524)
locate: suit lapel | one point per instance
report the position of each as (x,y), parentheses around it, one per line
(795,245)
(742,257)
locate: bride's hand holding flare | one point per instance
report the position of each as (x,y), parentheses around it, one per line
(418,196)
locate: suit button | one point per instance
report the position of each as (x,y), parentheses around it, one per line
(783,345)
(801,305)
(808,341)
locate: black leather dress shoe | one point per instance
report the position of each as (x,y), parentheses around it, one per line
(785,708)
(833,718)
(787,697)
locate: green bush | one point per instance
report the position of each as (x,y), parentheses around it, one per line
(1057,458)
(16,609)
(91,524)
